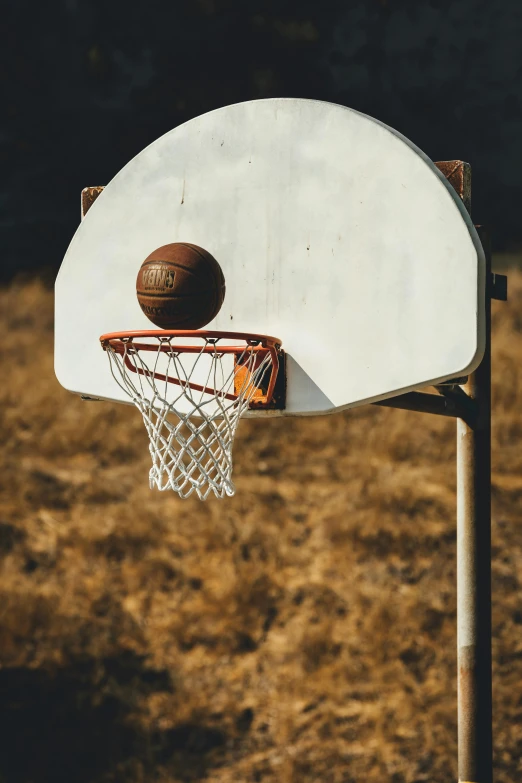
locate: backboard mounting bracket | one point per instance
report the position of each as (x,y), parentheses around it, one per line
(88,197)
(499,287)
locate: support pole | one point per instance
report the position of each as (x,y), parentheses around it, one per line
(474,569)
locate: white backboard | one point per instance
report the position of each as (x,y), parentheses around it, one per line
(334,233)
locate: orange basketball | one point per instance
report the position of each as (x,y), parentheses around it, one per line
(180,286)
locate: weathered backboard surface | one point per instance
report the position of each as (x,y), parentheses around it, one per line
(334,233)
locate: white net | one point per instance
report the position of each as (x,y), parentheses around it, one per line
(191,399)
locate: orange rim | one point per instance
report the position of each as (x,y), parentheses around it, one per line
(119,342)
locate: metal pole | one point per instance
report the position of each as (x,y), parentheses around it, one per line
(474,570)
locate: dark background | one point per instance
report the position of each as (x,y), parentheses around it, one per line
(86,85)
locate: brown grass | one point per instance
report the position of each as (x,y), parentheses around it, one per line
(302,631)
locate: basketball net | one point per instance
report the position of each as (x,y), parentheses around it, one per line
(191,426)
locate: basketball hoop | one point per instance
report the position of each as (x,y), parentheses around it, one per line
(192,387)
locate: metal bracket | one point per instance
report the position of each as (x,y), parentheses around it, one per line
(88,197)
(499,287)
(452,403)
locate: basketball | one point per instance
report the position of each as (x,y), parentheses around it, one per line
(180,286)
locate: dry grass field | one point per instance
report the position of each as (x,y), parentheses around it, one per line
(302,631)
